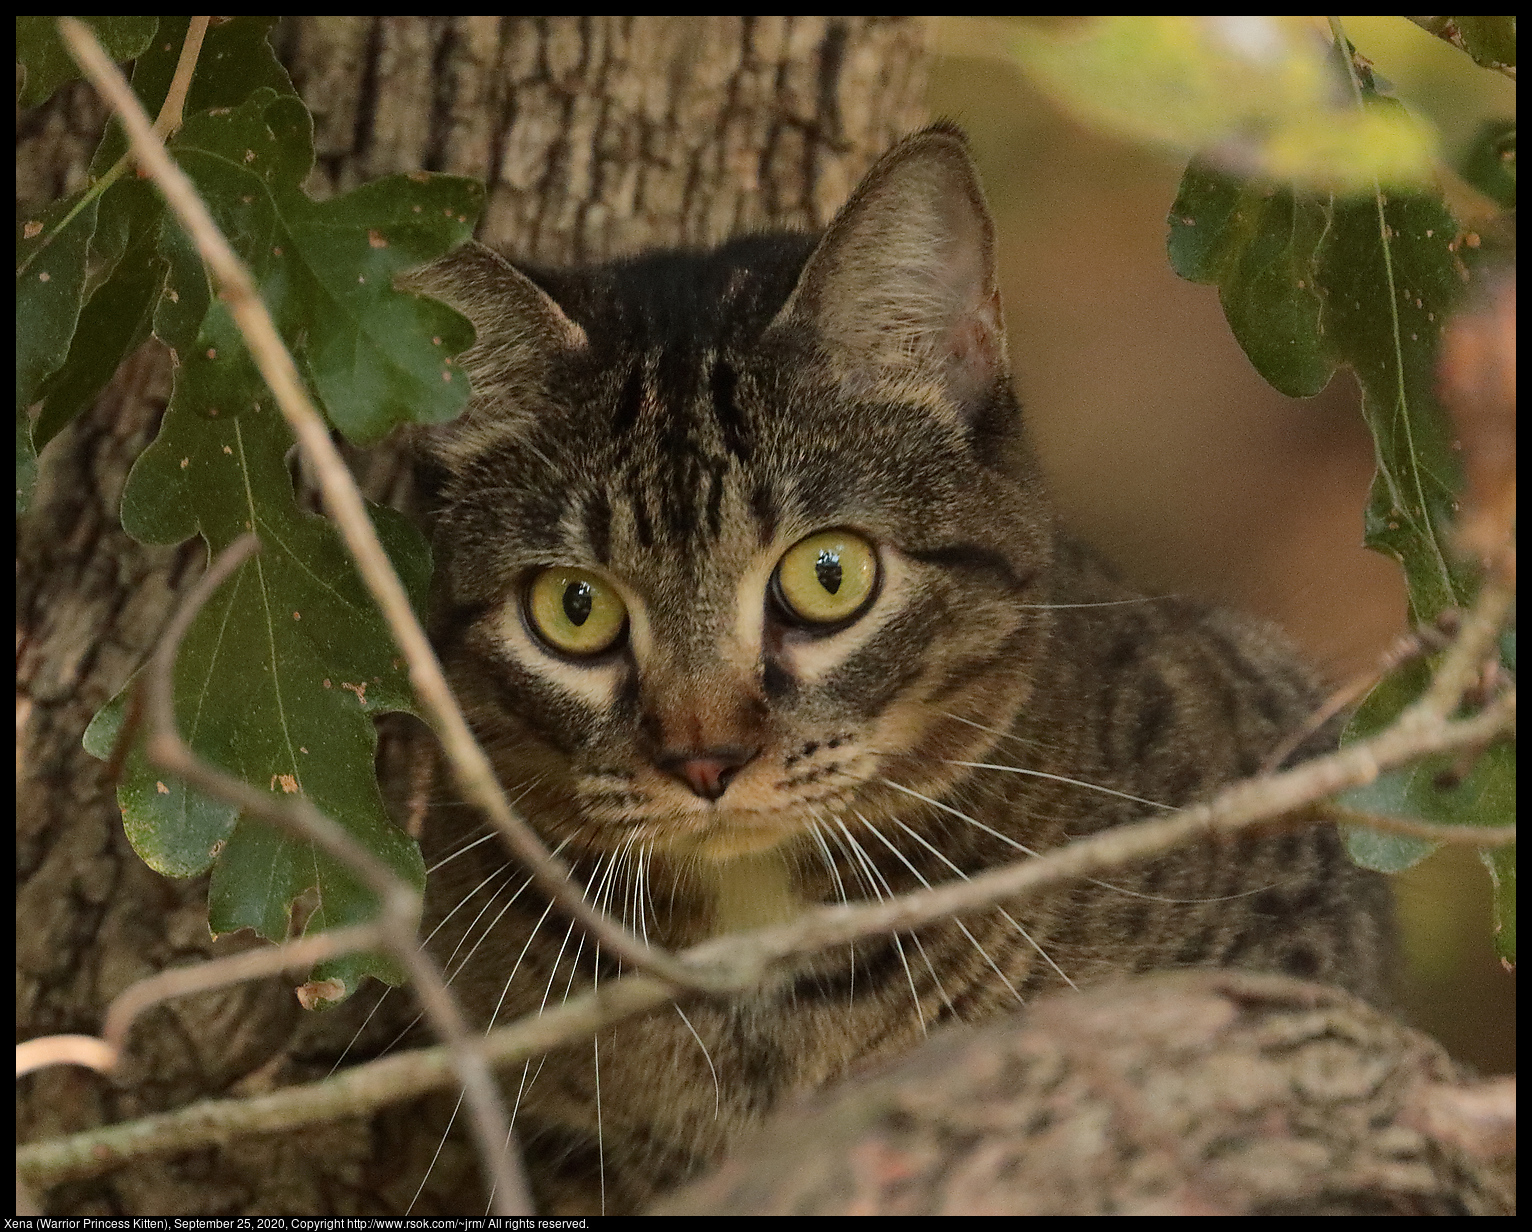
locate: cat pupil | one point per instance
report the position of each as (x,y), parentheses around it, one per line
(577,602)
(827,568)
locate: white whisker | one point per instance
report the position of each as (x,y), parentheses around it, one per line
(1059,778)
(706,1056)
(1064,607)
(866,861)
(600,1142)
(915,937)
(824,849)
(1014,924)
(947,808)
(461,851)
(430,1167)
(972,940)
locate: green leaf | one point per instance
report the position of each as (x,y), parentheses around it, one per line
(277,681)
(161,277)
(1490,162)
(1431,790)
(1262,94)
(377,357)
(1309,283)
(1258,245)
(1491,41)
(51,250)
(46,60)
(236,60)
(116,318)
(1502,873)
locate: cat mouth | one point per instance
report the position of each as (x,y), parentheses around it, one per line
(727,833)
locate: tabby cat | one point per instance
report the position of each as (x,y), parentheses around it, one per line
(751,589)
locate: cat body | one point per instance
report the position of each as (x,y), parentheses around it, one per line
(748,585)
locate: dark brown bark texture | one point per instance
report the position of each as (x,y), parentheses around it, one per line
(1195,1093)
(596,137)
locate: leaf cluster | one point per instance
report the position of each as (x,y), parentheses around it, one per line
(1312,202)
(281,675)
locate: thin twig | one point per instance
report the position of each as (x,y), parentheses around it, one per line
(356,1092)
(1407,647)
(400,905)
(344,503)
(174,108)
(744,958)
(49,1050)
(1461,836)
(1464,660)
(257,964)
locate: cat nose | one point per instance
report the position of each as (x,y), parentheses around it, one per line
(708,772)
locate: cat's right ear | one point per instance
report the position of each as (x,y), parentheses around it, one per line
(901,292)
(519,329)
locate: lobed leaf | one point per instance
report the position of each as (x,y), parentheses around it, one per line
(281,674)
(45,60)
(59,359)
(377,357)
(277,681)
(1308,282)
(51,251)
(1312,282)
(117,317)
(236,60)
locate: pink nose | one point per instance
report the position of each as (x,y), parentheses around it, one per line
(707,772)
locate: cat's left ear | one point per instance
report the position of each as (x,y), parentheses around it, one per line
(901,291)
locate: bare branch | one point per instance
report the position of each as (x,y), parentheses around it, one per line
(174,108)
(1462,836)
(344,503)
(1408,646)
(64,1050)
(745,957)
(176,982)
(400,906)
(1465,658)
(1480,1119)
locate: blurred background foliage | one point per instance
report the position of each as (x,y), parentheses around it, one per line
(1163,445)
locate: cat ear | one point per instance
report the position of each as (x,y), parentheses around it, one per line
(519,329)
(901,290)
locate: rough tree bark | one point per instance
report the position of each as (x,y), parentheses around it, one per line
(596,136)
(1185,1093)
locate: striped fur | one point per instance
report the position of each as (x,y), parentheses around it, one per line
(676,422)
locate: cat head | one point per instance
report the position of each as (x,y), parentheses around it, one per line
(726,544)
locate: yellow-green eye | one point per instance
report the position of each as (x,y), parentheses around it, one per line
(575,611)
(827,577)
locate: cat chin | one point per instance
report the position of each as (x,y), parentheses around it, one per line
(729,835)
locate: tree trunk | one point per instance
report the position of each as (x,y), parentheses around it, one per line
(597,137)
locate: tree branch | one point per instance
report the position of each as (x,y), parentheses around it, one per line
(399,904)
(744,958)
